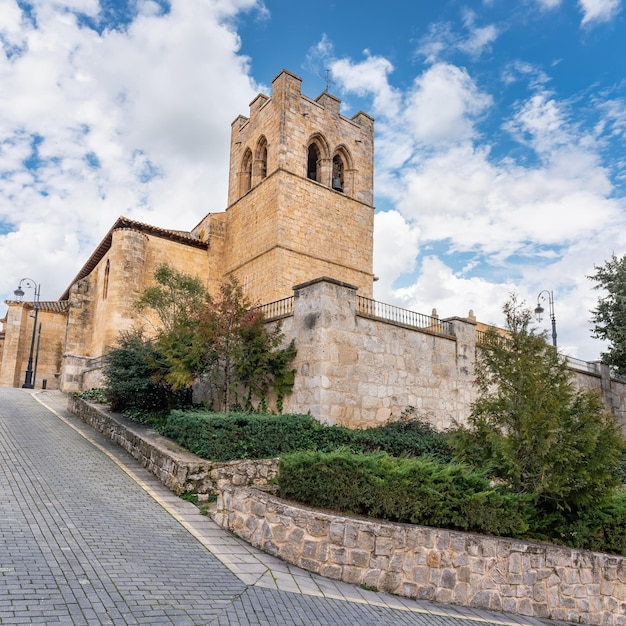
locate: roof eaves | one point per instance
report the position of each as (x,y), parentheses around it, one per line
(126,223)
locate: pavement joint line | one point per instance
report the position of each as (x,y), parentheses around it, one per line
(163,502)
(145,486)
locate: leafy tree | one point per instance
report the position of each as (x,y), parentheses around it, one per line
(177,298)
(264,366)
(534,430)
(220,341)
(242,353)
(609,317)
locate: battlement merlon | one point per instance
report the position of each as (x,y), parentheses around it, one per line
(287,86)
(280,131)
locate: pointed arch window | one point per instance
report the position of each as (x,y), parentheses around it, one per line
(262,158)
(313,160)
(105,285)
(338,173)
(246,172)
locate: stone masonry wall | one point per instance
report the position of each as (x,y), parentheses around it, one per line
(360,372)
(539,580)
(178,469)
(48,344)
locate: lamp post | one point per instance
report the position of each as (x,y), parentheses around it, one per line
(29,382)
(539,310)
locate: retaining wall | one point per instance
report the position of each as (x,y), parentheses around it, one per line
(539,580)
(178,469)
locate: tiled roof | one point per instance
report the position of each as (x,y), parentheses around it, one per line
(50,306)
(121,223)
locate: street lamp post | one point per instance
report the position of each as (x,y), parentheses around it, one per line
(29,382)
(539,310)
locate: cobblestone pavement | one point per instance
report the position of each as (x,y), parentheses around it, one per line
(87,536)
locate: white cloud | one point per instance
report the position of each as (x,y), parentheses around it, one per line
(116,123)
(549,4)
(599,10)
(438,287)
(443,104)
(479,38)
(369,77)
(395,248)
(442,39)
(480,226)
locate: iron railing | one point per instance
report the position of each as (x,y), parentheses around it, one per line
(389,313)
(277,309)
(579,365)
(489,338)
(484,338)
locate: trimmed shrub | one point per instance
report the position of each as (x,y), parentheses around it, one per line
(416,491)
(602,529)
(229,436)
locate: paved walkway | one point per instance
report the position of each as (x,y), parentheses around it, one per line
(87,536)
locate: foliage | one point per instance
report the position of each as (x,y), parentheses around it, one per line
(128,375)
(609,317)
(221,342)
(176,298)
(409,436)
(601,528)
(410,490)
(95,394)
(535,432)
(262,365)
(246,359)
(229,436)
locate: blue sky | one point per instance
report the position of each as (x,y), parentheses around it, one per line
(500,134)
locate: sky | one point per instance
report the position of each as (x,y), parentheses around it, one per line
(500,135)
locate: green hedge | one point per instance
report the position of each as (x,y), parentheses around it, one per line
(410,490)
(602,529)
(446,495)
(229,436)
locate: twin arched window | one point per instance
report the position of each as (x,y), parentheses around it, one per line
(246,171)
(253,166)
(338,169)
(319,166)
(313,162)
(261,156)
(105,286)
(322,169)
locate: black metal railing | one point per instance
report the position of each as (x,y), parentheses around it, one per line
(484,338)
(405,317)
(490,338)
(278,308)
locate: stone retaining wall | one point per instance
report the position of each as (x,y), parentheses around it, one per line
(178,469)
(539,580)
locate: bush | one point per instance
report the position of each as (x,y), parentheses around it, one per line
(535,430)
(412,437)
(95,394)
(410,490)
(229,436)
(128,374)
(602,528)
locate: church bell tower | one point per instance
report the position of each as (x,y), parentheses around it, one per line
(300,194)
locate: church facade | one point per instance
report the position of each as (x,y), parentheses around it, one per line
(297,233)
(300,206)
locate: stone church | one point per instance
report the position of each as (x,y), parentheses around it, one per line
(297,233)
(300,206)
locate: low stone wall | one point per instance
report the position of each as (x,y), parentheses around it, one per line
(178,469)
(539,580)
